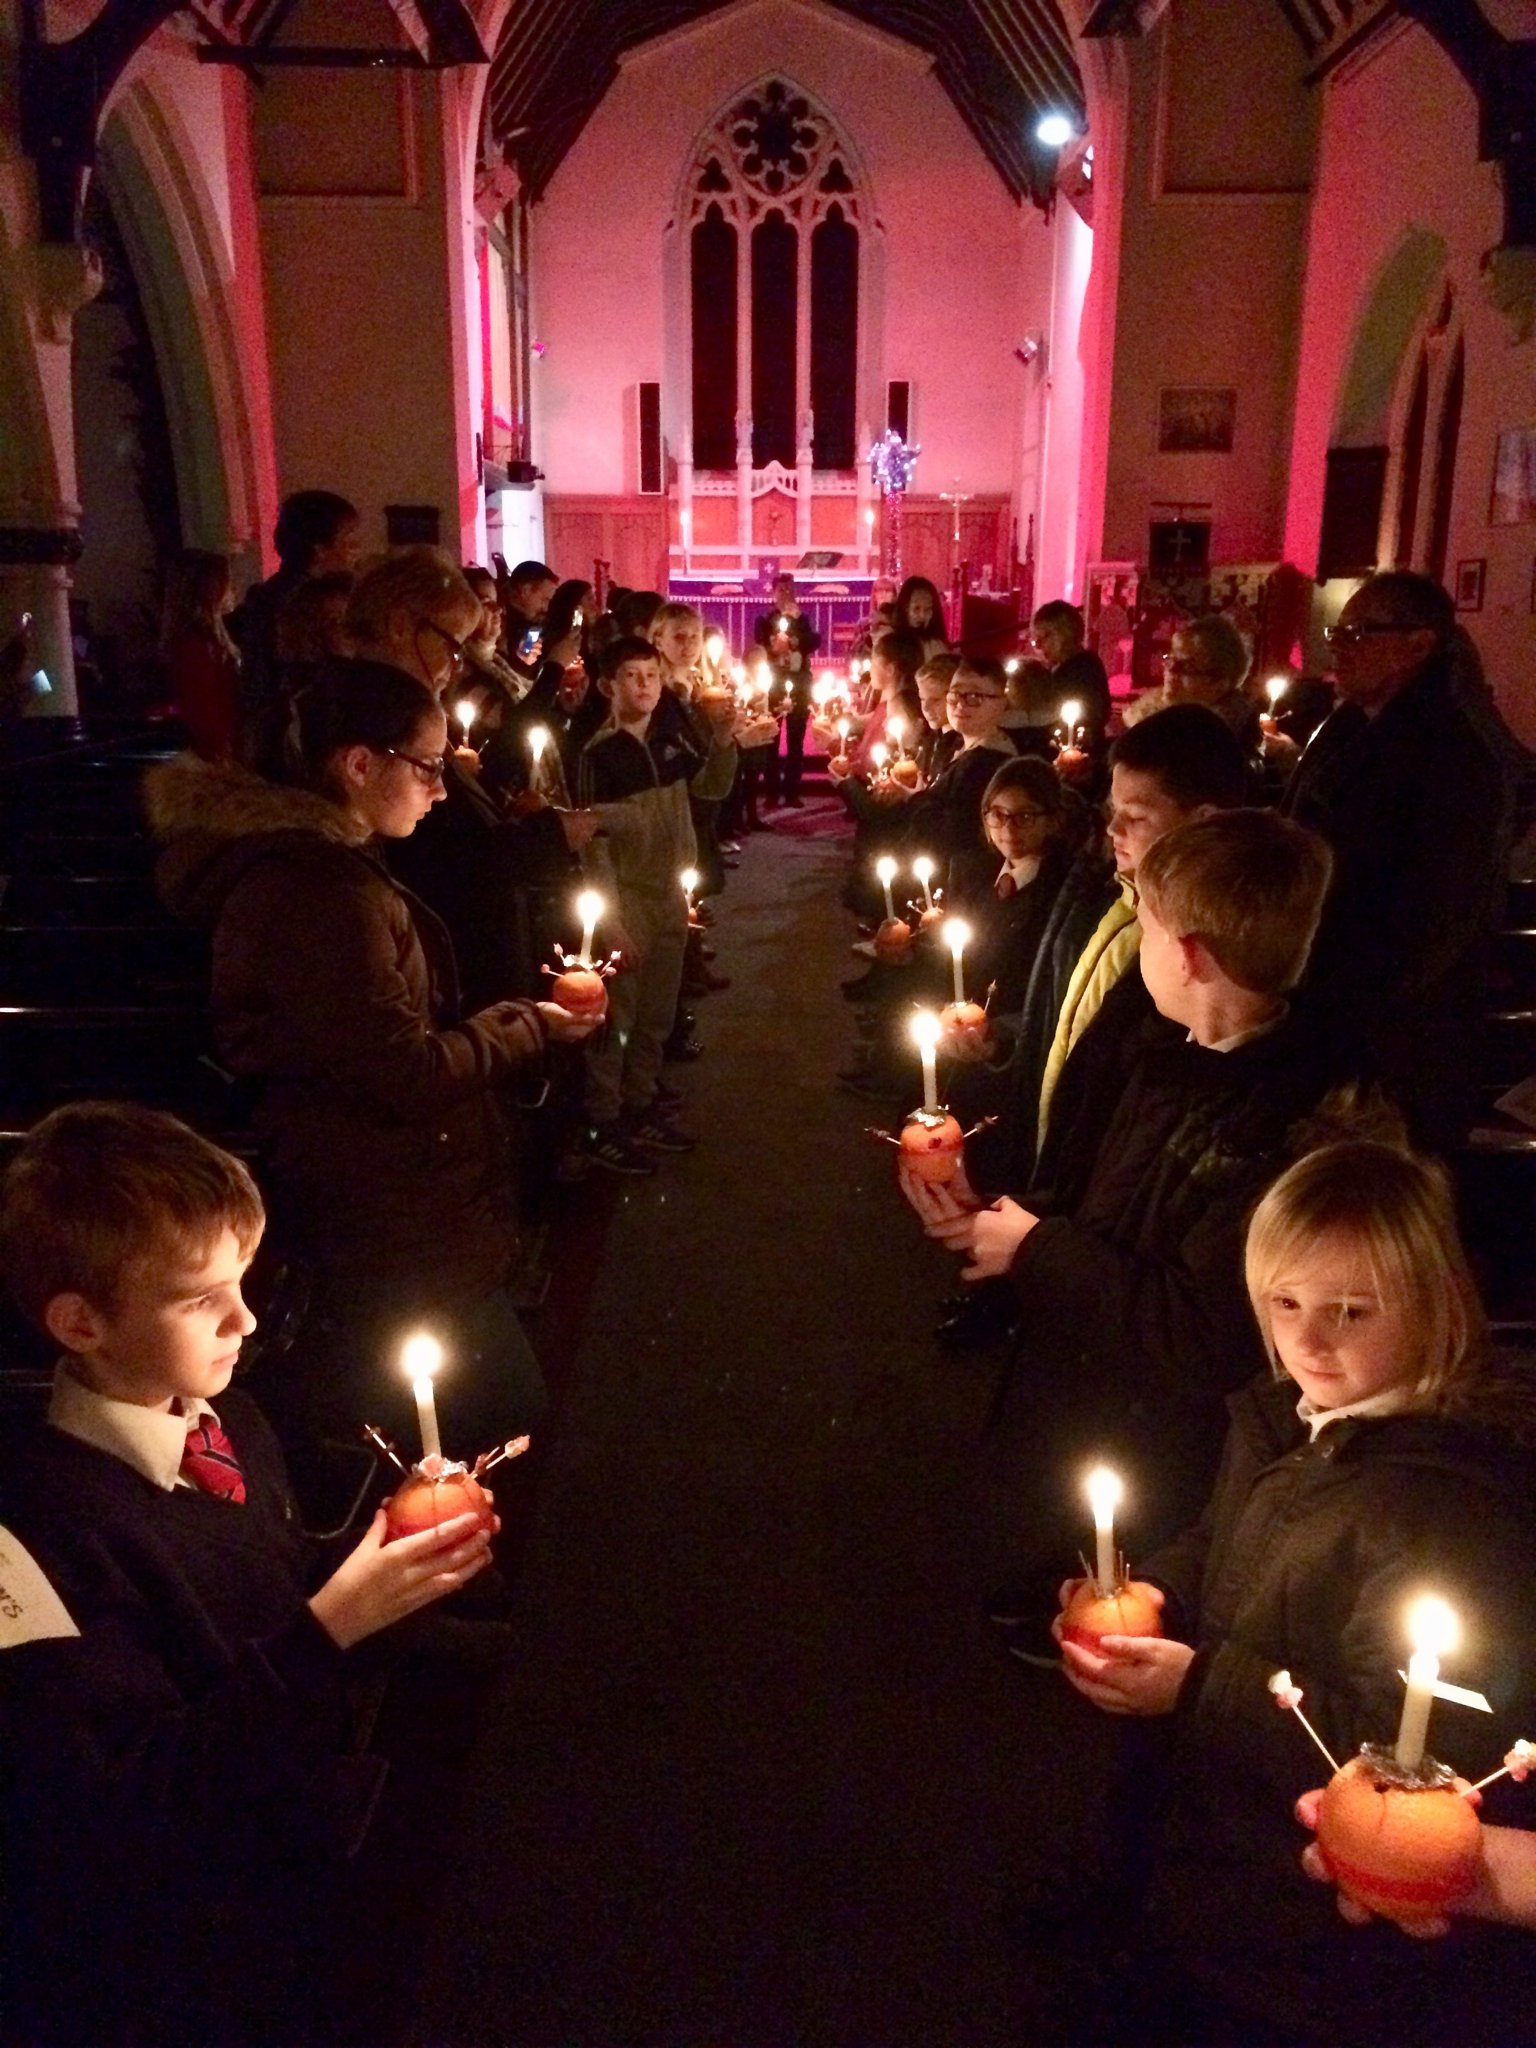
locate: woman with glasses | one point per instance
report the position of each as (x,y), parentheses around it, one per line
(375,1097)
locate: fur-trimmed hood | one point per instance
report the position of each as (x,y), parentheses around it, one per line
(217,819)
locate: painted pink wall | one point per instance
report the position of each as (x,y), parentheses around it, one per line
(966,270)
(1211,242)
(1382,178)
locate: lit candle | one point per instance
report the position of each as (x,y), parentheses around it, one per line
(1071,712)
(844,727)
(466,711)
(783,623)
(957,936)
(1011,665)
(896,726)
(885,868)
(922,867)
(879,753)
(1432,1629)
(738,673)
(927,1031)
(538,740)
(1276,688)
(589,908)
(690,881)
(714,646)
(1104,1497)
(824,692)
(420,1358)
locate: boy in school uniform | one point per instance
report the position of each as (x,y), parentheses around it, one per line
(634,774)
(181,1778)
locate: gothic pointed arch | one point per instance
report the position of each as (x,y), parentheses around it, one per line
(778,215)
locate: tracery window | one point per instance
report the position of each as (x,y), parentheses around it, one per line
(774,214)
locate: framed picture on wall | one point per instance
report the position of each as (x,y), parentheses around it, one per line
(1470,578)
(1514,477)
(1195,420)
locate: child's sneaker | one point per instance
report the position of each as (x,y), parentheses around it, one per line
(655,1131)
(609,1147)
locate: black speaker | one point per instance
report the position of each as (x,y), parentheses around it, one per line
(651,479)
(898,407)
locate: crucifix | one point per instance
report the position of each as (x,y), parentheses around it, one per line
(956,498)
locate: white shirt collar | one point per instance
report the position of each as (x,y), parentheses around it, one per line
(1237,1038)
(1023,871)
(150,1440)
(1392,1402)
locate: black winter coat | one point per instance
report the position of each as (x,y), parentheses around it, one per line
(944,819)
(1306,1559)
(1416,808)
(1134,1322)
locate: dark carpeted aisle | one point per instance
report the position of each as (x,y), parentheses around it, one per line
(761,1775)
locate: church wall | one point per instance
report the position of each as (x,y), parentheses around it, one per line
(1387,188)
(1218,137)
(965,269)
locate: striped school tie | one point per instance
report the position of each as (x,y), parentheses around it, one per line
(209,1461)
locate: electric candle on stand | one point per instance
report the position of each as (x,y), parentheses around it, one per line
(421,1357)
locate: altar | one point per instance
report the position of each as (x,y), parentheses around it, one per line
(837,606)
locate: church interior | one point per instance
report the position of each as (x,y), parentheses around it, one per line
(767,769)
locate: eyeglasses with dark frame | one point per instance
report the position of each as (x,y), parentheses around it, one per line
(971,698)
(455,647)
(428,773)
(999,814)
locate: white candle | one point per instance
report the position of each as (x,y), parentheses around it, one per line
(783,623)
(896,726)
(1104,1497)
(466,711)
(1011,665)
(420,1357)
(844,727)
(538,740)
(922,867)
(1432,1629)
(885,868)
(879,753)
(927,1031)
(957,936)
(1276,688)
(690,881)
(1071,712)
(589,908)
(714,645)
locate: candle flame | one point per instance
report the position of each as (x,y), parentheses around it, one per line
(1104,1492)
(689,878)
(1071,713)
(885,868)
(714,643)
(922,867)
(1011,665)
(879,753)
(926,1030)
(538,739)
(1276,688)
(956,935)
(466,711)
(897,728)
(844,727)
(421,1356)
(1433,1628)
(589,906)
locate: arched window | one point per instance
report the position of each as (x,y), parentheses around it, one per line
(774,211)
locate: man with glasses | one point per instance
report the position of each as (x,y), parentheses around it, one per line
(1417,808)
